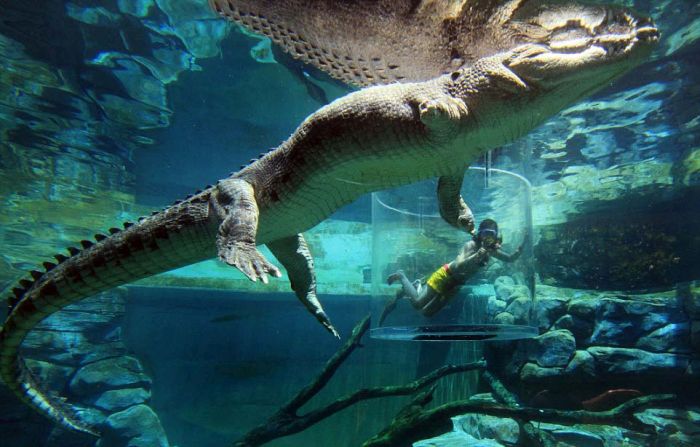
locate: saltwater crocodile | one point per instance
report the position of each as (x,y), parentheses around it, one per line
(379,137)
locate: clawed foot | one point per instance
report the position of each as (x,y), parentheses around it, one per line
(391,279)
(435,110)
(466,221)
(248,260)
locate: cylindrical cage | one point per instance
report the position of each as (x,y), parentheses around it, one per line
(495,302)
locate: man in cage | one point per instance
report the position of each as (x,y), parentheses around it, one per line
(444,283)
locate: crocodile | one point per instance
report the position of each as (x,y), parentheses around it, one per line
(379,137)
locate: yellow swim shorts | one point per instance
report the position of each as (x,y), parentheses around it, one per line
(439,280)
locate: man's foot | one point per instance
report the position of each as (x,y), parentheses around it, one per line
(391,279)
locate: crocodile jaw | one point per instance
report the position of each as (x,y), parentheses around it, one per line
(517,90)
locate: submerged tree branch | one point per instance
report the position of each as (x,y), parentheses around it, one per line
(621,416)
(414,422)
(286,421)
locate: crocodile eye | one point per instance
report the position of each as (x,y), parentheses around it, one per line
(455,75)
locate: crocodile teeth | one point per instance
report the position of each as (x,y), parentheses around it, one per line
(568,45)
(49,266)
(508,75)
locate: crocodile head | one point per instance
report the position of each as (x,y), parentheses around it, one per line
(373,42)
(570,52)
(570,43)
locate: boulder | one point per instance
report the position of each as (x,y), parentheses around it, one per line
(629,362)
(117,400)
(582,329)
(482,426)
(581,366)
(533,373)
(553,348)
(673,337)
(112,373)
(622,322)
(137,426)
(548,310)
(584,308)
(520,309)
(504,318)
(457,439)
(504,287)
(494,306)
(679,426)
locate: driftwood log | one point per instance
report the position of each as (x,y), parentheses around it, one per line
(286,421)
(415,422)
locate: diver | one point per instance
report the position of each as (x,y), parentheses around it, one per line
(445,282)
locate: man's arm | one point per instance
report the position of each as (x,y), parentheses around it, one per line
(506,257)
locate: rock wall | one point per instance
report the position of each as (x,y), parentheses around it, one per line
(78,354)
(595,351)
(607,340)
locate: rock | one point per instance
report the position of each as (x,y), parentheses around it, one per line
(68,348)
(137,426)
(483,426)
(518,291)
(117,400)
(695,335)
(581,329)
(581,366)
(548,310)
(111,373)
(691,296)
(584,308)
(91,416)
(553,348)
(504,318)
(626,362)
(520,309)
(533,373)
(621,322)
(504,287)
(138,8)
(457,439)
(680,427)
(494,306)
(579,438)
(670,338)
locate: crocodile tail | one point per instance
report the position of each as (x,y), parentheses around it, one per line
(178,236)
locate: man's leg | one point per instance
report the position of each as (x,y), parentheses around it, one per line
(407,286)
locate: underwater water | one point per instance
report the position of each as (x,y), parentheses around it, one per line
(113,109)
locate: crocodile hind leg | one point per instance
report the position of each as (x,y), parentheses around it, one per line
(452,206)
(234,203)
(294,254)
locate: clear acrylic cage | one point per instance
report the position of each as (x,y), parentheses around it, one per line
(409,235)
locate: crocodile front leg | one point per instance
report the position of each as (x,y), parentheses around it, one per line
(442,116)
(452,207)
(234,203)
(294,254)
